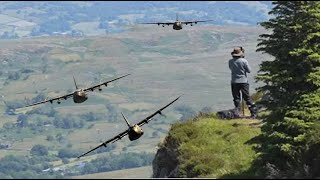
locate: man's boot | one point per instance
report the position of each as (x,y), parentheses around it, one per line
(253,111)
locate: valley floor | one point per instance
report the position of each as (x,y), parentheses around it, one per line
(140,172)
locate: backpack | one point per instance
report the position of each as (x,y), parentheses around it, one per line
(229,114)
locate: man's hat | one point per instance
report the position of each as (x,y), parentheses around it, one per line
(237,52)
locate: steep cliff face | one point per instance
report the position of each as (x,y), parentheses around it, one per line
(165,163)
(206,147)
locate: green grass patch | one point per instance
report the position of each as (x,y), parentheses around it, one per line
(213,148)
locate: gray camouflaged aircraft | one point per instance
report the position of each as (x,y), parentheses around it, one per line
(134,131)
(79,95)
(177,25)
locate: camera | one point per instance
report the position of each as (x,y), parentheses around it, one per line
(242,49)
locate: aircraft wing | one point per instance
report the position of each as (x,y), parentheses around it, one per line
(165,23)
(112,140)
(190,22)
(53,99)
(147,119)
(104,83)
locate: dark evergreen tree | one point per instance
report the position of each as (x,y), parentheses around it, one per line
(292,82)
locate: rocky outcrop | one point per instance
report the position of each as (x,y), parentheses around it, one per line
(165,163)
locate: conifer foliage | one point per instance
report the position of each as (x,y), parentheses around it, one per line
(290,138)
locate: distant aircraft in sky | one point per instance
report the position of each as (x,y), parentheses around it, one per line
(177,25)
(134,131)
(79,95)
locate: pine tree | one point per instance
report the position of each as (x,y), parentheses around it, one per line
(292,82)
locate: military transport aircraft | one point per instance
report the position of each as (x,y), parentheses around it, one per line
(177,25)
(79,95)
(134,131)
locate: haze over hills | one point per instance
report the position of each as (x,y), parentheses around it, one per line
(78,18)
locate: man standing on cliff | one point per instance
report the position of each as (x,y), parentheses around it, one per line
(239,67)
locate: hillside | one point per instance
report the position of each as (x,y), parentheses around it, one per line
(163,64)
(207,147)
(192,62)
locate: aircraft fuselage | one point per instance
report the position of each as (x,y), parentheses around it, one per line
(177,25)
(79,96)
(135,132)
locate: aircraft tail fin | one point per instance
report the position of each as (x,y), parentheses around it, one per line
(177,17)
(75,83)
(125,119)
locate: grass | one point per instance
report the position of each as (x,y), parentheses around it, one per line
(213,148)
(4,153)
(28,143)
(8,119)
